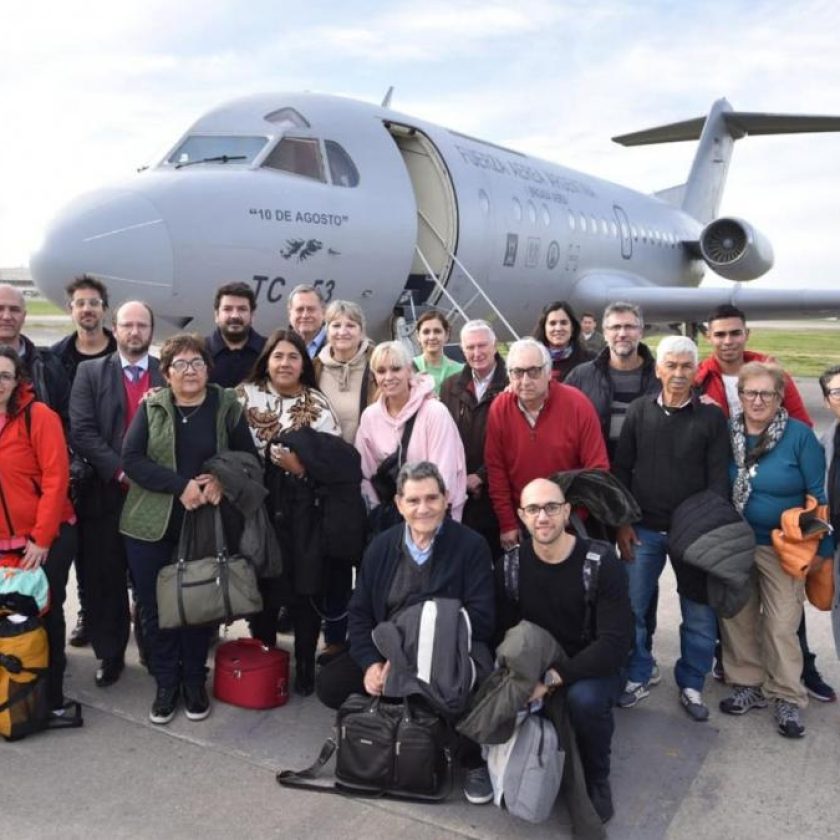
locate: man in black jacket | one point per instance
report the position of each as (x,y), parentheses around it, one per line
(621,372)
(428,556)
(468,396)
(234,345)
(106,394)
(671,447)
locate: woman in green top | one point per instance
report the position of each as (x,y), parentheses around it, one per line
(433,333)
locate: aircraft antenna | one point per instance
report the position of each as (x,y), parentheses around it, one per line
(386,101)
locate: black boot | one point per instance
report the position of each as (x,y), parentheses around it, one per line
(305,677)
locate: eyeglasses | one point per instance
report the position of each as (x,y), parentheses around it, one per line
(619,327)
(762,396)
(7,378)
(530,372)
(833,394)
(180,366)
(727,334)
(81,303)
(550,508)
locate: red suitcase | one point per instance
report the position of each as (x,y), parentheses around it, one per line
(250,675)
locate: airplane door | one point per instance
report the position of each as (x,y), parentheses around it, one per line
(624,232)
(437,208)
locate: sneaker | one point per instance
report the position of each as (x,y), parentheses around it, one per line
(817,688)
(478,789)
(692,701)
(196,702)
(655,675)
(744,698)
(717,670)
(600,795)
(166,702)
(787,718)
(633,692)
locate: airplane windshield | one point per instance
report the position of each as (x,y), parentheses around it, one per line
(217,149)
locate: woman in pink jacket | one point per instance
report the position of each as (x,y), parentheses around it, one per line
(404,394)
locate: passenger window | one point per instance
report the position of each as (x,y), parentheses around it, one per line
(342,169)
(298,156)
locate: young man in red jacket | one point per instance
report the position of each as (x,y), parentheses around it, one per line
(717,381)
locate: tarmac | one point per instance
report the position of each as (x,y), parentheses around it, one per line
(673,779)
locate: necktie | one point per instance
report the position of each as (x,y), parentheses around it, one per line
(134,372)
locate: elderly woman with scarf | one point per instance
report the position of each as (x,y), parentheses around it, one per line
(777,462)
(830,385)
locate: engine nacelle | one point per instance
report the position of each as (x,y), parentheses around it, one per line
(735,250)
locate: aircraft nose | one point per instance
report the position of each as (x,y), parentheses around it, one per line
(115,235)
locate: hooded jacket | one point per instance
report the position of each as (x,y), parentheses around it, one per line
(34,472)
(434,438)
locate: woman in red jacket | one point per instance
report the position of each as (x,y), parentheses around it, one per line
(36,517)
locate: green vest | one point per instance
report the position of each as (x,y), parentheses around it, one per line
(145,514)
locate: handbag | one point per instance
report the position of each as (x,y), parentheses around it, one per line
(401,750)
(797,540)
(208,590)
(250,675)
(384,482)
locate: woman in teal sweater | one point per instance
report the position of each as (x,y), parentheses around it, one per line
(433,333)
(777,462)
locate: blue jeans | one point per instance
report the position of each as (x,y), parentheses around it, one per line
(698,630)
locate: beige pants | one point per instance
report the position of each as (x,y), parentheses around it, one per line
(760,645)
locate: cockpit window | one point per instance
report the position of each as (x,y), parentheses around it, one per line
(217,149)
(342,169)
(298,156)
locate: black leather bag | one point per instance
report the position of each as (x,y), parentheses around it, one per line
(400,749)
(384,482)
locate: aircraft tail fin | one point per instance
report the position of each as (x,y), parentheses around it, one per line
(717,134)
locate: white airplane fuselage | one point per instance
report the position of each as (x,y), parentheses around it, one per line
(528,231)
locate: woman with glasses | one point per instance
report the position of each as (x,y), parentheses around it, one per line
(830,385)
(405,396)
(777,461)
(559,330)
(38,523)
(170,438)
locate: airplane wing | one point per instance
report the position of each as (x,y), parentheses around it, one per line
(679,303)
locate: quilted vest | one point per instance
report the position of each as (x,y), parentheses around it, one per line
(145,514)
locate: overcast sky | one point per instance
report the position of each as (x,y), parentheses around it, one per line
(90,92)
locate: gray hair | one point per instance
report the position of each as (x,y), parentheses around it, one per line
(475,325)
(346,307)
(529,343)
(752,369)
(678,345)
(391,350)
(418,472)
(619,306)
(304,288)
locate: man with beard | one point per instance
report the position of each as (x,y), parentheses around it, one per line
(234,344)
(87,301)
(106,395)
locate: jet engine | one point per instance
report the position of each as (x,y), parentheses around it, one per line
(735,250)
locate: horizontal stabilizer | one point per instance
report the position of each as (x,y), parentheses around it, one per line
(679,303)
(672,195)
(739,123)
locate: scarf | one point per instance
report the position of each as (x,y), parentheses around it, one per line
(746,460)
(559,354)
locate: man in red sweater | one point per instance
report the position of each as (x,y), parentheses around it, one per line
(536,428)
(717,380)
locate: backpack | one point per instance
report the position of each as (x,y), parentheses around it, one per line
(24,660)
(526,771)
(591,569)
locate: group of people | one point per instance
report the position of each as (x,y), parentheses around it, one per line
(391,479)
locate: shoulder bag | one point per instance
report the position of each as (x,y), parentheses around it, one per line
(207,590)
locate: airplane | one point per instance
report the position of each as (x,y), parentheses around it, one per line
(399,214)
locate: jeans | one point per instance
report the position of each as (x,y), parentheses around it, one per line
(698,630)
(589,703)
(174,656)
